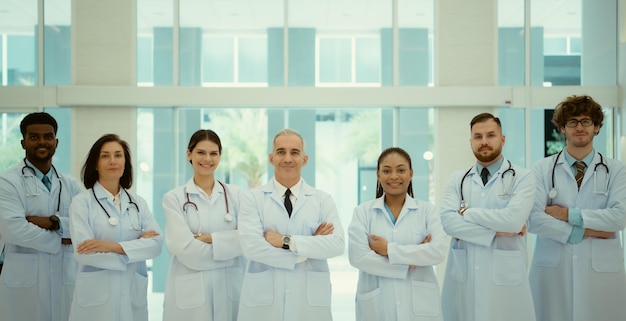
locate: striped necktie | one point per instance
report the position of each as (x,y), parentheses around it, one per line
(580,172)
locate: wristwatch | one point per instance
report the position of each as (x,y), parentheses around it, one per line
(55,224)
(286,241)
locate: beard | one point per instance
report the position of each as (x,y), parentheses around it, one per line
(495,153)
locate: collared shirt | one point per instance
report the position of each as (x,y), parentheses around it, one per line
(38,173)
(115,199)
(491,168)
(295,190)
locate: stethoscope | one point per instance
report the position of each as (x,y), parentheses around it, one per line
(552,194)
(227,217)
(34,191)
(506,190)
(113,221)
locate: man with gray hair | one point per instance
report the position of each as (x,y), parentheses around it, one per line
(288,230)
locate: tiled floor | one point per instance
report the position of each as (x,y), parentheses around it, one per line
(343,278)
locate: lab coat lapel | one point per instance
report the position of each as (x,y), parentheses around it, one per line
(302,197)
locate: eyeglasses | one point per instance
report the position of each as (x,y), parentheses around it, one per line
(586,122)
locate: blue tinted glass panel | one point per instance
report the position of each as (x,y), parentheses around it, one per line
(144,59)
(218,62)
(555,46)
(335,60)
(21,60)
(367,60)
(575,45)
(253,59)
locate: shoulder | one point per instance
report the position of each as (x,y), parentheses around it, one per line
(423,205)
(82,197)
(180,190)
(10,174)
(72,182)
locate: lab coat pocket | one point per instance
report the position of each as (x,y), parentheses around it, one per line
(547,253)
(426,298)
(258,289)
(234,278)
(459,265)
(70,266)
(189,291)
(369,307)
(508,267)
(606,255)
(139,290)
(318,288)
(20,270)
(92,288)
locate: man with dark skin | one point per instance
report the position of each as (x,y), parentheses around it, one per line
(39,269)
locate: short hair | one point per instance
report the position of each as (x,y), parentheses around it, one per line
(39,118)
(287,132)
(90,174)
(481,118)
(202,135)
(385,153)
(574,106)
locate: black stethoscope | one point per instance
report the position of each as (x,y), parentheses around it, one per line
(552,194)
(35,190)
(113,221)
(227,217)
(505,190)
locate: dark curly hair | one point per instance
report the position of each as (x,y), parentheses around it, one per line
(574,106)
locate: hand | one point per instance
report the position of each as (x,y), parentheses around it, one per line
(523,231)
(98,246)
(597,234)
(41,221)
(427,239)
(148,234)
(558,212)
(206,238)
(378,244)
(274,238)
(324,229)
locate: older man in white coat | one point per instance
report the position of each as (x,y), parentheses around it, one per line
(39,273)
(288,229)
(577,272)
(485,210)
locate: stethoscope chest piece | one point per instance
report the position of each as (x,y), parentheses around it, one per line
(113,221)
(552,193)
(228,217)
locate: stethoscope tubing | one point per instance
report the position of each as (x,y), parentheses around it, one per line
(510,169)
(26,166)
(552,194)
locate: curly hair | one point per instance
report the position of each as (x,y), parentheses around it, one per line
(574,106)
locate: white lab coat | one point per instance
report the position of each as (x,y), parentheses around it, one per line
(39,273)
(584,281)
(111,286)
(275,287)
(204,280)
(388,289)
(486,275)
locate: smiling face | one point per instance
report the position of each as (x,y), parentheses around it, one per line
(487,141)
(288,159)
(205,157)
(40,143)
(394,174)
(111,162)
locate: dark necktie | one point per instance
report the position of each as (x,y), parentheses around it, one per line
(580,172)
(484,175)
(46,181)
(288,204)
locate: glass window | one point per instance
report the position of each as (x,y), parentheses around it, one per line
(236,43)
(57,42)
(339,43)
(18,22)
(155,20)
(415,42)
